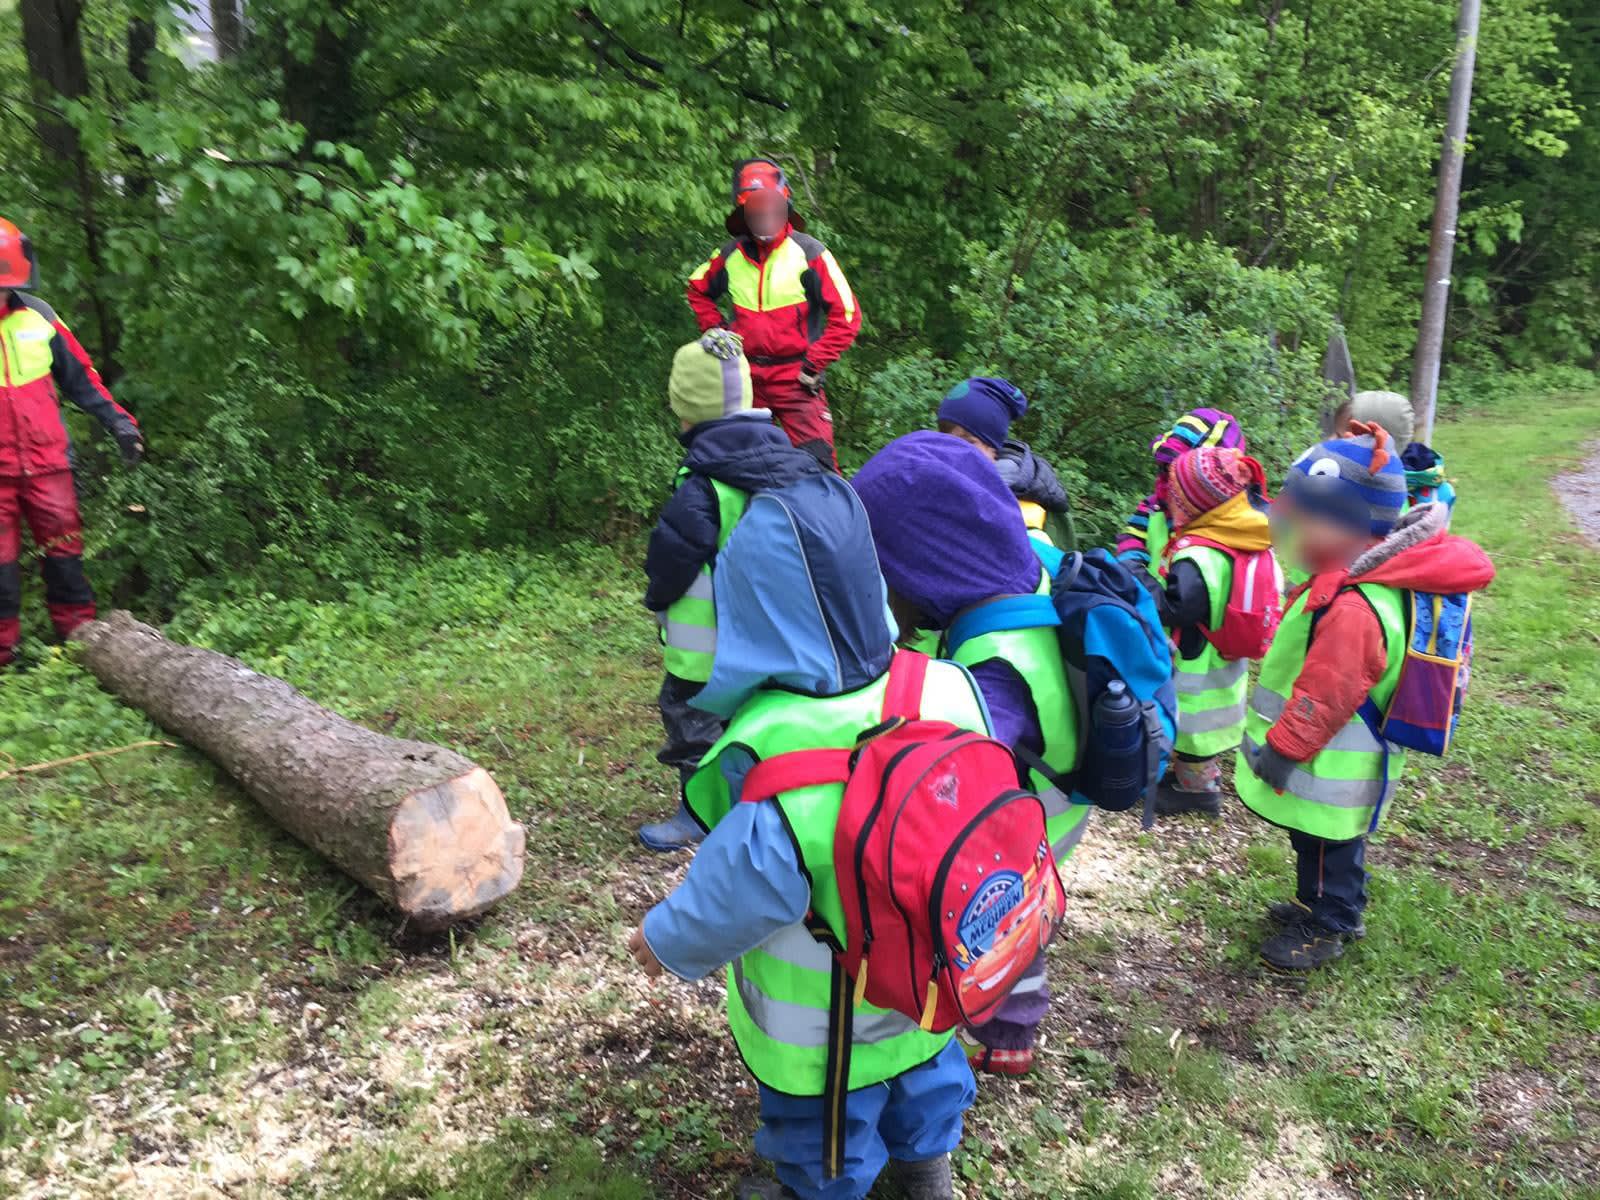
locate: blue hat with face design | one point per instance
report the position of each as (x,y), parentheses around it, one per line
(1357,482)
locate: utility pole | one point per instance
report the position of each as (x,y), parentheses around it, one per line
(1441,249)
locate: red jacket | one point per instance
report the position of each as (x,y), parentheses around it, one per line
(790,299)
(39,361)
(1346,657)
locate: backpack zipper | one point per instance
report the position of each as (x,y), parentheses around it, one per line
(942,875)
(861,846)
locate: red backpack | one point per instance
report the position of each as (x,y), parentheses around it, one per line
(949,888)
(1255,603)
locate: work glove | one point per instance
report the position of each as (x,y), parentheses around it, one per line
(810,378)
(131,442)
(724,345)
(1271,767)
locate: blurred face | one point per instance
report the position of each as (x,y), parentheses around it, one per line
(1313,543)
(766,213)
(966,435)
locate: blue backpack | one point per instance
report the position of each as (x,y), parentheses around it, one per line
(1110,632)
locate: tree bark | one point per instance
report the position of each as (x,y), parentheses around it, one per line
(52,42)
(423,827)
(227,30)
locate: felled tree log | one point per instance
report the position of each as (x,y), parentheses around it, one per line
(423,827)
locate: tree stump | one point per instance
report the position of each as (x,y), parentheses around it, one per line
(423,827)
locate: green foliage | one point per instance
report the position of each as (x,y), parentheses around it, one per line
(396,279)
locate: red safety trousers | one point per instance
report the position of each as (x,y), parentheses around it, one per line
(48,503)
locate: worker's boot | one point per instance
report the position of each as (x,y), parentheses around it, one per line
(926,1180)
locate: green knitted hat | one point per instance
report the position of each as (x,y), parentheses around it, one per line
(710,379)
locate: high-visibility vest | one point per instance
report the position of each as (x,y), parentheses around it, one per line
(1341,793)
(689,625)
(1211,689)
(780,993)
(1035,654)
(1156,536)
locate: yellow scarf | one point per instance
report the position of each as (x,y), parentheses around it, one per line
(1234,523)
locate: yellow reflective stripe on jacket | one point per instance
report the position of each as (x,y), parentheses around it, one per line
(846,296)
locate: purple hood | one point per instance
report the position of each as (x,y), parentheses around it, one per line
(948,530)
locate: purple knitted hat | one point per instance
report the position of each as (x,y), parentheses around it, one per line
(1198,427)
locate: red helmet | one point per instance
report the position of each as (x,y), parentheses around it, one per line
(754,176)
(17,266)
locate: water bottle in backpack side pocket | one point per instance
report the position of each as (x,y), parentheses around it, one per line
(1117,753)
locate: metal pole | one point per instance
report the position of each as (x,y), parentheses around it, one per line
(1441,249)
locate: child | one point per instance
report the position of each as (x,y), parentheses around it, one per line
(1218,495)
(807,648)
(979,411)
(1425,479)
(732,450)
(1310,762)
(949,539)
(1146,534)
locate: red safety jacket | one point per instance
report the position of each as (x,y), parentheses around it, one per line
(790,299)
(39,361)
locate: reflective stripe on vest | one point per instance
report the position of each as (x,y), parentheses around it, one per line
(1211,689)
(779,993)
(1339,793)
(1035,655)
(689,626)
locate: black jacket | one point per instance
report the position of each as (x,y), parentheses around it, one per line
(748,452)
(1031,478)
(1184,605)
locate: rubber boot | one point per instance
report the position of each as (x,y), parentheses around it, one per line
(678,832)
(926,1180)
(1174,802)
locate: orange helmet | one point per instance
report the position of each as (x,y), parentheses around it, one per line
(17,266)
(752,176)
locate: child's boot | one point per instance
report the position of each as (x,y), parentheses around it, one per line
(926,1180)
(1287,912)
(1195,786)
(1303,945)
(678,832)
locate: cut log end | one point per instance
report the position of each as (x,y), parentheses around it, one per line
(454,850)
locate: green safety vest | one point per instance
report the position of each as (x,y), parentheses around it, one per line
(1035,654)
(1211,689)
(1339,792)
(780,993)
(689,625)
(1156,536)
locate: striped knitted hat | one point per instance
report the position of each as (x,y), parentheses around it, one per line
(1207,477)
(1354,481)
(1198,427)
(710,379)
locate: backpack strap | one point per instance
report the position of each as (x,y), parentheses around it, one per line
(908,670)
(790,772)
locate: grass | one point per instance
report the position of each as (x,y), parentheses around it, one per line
(188,997)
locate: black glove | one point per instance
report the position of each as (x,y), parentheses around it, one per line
(131,442)
(810,378)
(1271,767)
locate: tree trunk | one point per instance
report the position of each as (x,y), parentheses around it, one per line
(227,30)
(52,42)
(423,827)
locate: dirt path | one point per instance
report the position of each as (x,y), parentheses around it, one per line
(1579,492)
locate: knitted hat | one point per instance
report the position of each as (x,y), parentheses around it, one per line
(984,407)
(1205,478)
(710,379)
(1390,410)
(1198,427)
(948,530)
(1355,481)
